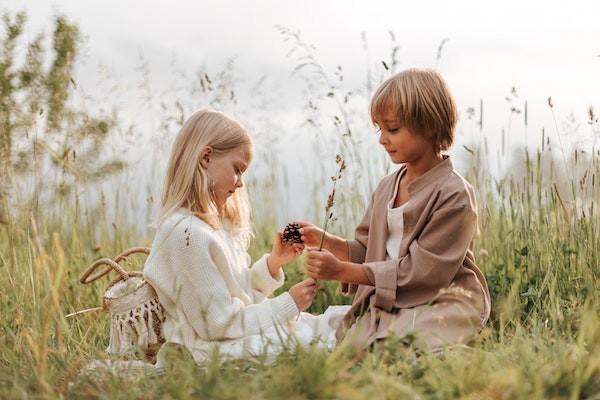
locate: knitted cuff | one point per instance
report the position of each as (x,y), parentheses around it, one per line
(262,280)
(284,307)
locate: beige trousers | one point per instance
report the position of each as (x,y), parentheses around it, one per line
(455,316)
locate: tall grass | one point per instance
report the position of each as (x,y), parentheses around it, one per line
(539,247)
(540,254)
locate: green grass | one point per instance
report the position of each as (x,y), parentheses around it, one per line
(539,249)
(541,257)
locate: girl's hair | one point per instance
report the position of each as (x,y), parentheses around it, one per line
(187,184)
(421,101)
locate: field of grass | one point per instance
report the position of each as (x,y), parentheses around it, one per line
(540,254)
(539,244)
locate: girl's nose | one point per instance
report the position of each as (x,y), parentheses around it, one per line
(240,182)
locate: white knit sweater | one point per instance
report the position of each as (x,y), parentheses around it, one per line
(203,281)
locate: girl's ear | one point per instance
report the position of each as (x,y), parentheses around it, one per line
(206,156)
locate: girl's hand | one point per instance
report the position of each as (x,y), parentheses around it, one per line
(310,234)
(323,265)
(283,253)
(303,293)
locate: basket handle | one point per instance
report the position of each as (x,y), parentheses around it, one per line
(131,251)
(113,264)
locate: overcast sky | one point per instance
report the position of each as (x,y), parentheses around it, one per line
(543,48)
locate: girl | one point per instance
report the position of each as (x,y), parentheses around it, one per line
(199,261)
(410,264)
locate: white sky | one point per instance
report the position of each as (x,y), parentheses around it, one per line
(543,48)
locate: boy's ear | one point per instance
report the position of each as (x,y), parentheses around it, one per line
(206,156)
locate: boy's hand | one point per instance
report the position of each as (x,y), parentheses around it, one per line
(303,293)
(282,253)
(323,265)
(310,234)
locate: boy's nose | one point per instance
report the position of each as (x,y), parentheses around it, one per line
(382,138)
(239,183)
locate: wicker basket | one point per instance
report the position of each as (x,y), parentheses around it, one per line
(136,314)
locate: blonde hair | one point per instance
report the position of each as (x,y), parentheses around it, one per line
(422,102)
(187,184)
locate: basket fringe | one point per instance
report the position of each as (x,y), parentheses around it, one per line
(138,327)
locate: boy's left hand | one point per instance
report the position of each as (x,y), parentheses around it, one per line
(323,265)
(283,253)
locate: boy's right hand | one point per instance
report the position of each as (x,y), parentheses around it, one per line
(310,234)
(303,293)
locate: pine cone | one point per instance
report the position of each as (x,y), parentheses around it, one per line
(291,234)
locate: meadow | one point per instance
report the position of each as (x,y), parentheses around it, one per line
(539,247)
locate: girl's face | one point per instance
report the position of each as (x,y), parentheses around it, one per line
(226,171)
(401,144)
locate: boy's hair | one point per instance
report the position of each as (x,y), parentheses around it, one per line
(421,101)
(187,184)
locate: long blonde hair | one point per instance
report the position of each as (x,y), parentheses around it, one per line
(187,184)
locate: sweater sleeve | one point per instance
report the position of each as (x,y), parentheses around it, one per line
(206,300)
(430,264)
(262,280)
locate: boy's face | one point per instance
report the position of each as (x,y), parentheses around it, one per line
(401,144)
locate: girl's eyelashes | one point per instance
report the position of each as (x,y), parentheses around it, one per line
(239,170)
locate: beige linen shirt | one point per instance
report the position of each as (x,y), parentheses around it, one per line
(440,221)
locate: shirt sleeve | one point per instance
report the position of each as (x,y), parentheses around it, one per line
(431,263)
(206,300)
(357,247)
